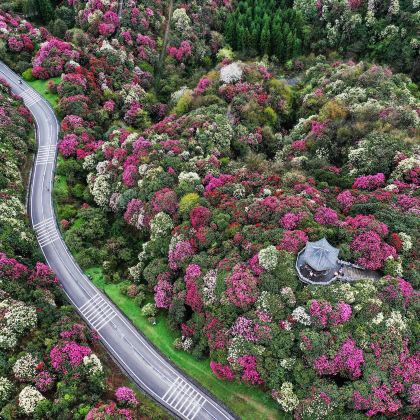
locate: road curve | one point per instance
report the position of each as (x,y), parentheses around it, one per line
(140,360)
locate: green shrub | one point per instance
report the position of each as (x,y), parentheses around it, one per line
(27,75)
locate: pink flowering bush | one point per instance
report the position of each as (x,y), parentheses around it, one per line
(326,216)
(179,254)
(290,221)
(241,288)
(52,57)
(370,250)
(126,396)
(223,372)
(324,314)
(347,361)
(68,356)
(180,53)
(200,216)
(293,240)
(249,374)
(68,145)
(369,182)
(163,294)
(165,200)
(193,297)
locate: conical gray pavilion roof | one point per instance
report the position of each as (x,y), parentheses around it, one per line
(320,255)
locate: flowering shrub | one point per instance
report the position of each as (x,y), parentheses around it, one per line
(222,371)
(371,252)
(51,58)
(126,396)
(241,288)
(68,356)
(29,397)
(369,182)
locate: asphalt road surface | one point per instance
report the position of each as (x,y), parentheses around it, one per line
(146,367)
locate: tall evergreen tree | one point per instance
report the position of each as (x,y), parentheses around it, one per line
(265,38)
(45,10)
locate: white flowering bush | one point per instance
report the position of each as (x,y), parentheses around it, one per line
(287,398)
(268,258)
(100,188)
(93,364)
(160,226)
(24,368)
(29,397)
(17,319)
(20,317)
(181,20)
(6,388)
(8,339)
(231,73)
(209,281)
(300,315)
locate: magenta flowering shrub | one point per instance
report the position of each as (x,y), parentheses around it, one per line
(369,182)
(242,288)
(324,314)
(223,372)
(9,267)
(291,221)
(192,297)
(293,240)
(347,361)
(126,396)
(163,294)
(165,200)
(249,374)
(200,216)
(326,216)
(44,381)
(68,356)
(104,411)
(68,145)
(51,58)
(179,253)
(370,250)
(182,52)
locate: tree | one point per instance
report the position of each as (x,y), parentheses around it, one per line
(59,28)
(45,10)
(266,36)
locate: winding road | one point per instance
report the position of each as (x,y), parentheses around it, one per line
(139,359)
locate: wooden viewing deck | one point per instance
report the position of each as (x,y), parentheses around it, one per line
(353,272)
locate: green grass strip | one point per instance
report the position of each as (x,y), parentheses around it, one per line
(41,87)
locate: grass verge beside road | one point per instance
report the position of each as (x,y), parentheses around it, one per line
(245,401)
(41,87)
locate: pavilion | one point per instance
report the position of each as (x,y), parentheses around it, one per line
(318,263)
